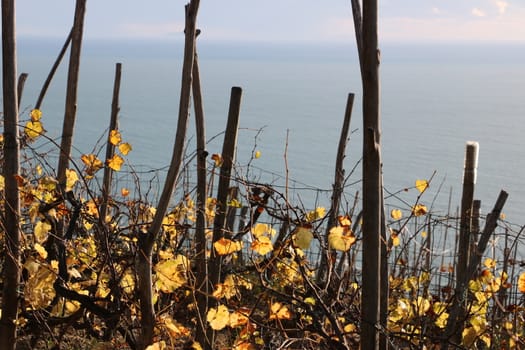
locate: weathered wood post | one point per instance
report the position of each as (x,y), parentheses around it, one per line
(372,180)
(11,167)
(146,242)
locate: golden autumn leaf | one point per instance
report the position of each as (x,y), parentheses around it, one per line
(115,162)
(33,129)
(2,182)
(257,154)
(160,345)
(217,158)
(114,137)
(421,185)
(521,283)
(239,317)
(174,328)
(41,251)
(41,231)
(344,221)
(124,192)
(71,179)
(302,237)
(35,115)
(226,246)
(279,311)
(218,318)
(341,238)
(489,263)
(172,274)
(262,245)
(125,148)
(419,210)
(396,214)
(39,289)
(260,230)
(92,163)
(316,214)
(227,289)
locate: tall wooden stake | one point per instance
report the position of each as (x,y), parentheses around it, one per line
(11,167)
(372,180)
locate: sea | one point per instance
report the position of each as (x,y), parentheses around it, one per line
(435,97)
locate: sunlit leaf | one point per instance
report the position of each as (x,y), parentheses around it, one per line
(260,230)
(262,245)
(227,290)
(257,154)
(302,237)
(92,163)
(344,221)
(279,311)
(395,239)
(115,162)
(127,283)
(489,263)
(218,318)
(235,203)
(316,214)
(35,115)
(172,274)
(225,246)
(217,158)
(160,345)
(174,328)
(239,317)
(114,137)
(125,148)
(2,182)
(124,192)
(341,238)
(71,179)
(349,328)
(419,210)
(521,283)
(41,231)
(421,185)
(41,251)
(396,214)
(39,289)
(33,129)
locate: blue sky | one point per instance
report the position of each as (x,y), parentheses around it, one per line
(280,20)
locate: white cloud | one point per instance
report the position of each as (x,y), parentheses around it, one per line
(477,12)
(501,5)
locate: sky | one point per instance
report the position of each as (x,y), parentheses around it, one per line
(279,20)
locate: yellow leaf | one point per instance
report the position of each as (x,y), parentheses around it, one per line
(39,289)
(421,185)
(344,221)
(92,163)
(521,283)
(160,345)
(395,239)
(41,251)
(309,301)
(279,311)
(262,230)
(341,238)
(171,274)
(424,234)
(302,237)
(196,346)
(41,231)
(2,182)
(115,162)
(316,214)
(218,318)
(257,154)
(127,283)
(396,214)
(217,158)
(349,328)
(71,179)
(124,192)
(227,289)
(262,245)
(419,210)
(489,263)
(114,137)
(125,148)
(175,329)
(235,203)
(33,129)
(226,246)
(239,317)
(35,115)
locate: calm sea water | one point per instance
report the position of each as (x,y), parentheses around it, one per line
(434,99)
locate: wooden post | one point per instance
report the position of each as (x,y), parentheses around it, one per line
(146,242)
(20,86)
(110,148)
(372,180)
(339,179)
(464,242)
(202,287)
(71,93)
(11,167)
(228,156)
